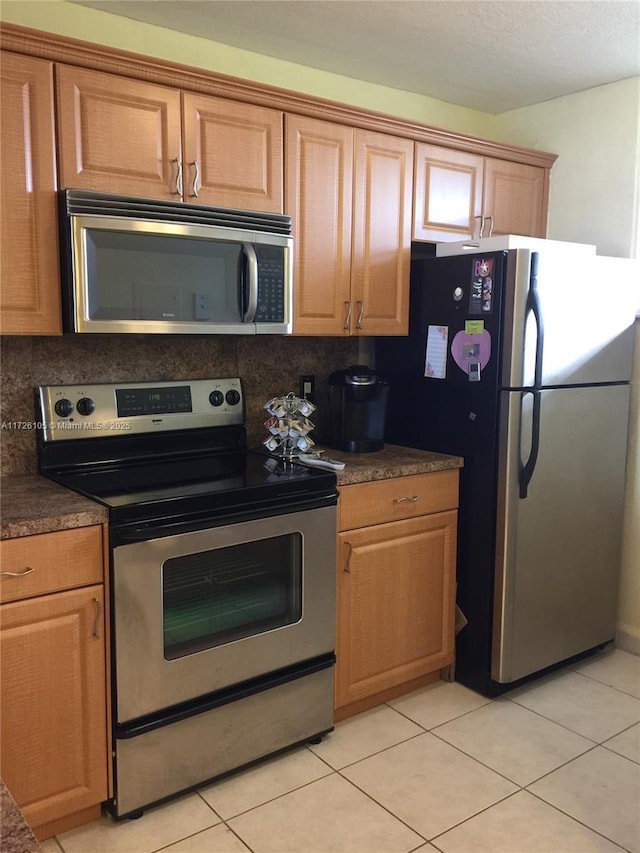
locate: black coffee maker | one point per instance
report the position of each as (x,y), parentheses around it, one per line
(358,403)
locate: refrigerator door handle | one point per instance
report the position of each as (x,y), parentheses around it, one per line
(526,470)
(533,307)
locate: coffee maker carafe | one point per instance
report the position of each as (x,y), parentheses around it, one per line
(358,402)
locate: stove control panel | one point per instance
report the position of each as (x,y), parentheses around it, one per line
(96,411)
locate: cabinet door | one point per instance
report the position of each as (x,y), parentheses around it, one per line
(381,234)
(396,586)
(117,135)
(232,154)
(448,194)
(515,195)
(53,753)
(30,291)
(319,177)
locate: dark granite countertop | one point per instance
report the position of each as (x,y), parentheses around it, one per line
(16,835)
(31,504)
(392,461)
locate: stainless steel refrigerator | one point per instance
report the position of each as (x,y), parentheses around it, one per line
(518,358)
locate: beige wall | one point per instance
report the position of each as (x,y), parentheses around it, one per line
(595,183)
(62,18)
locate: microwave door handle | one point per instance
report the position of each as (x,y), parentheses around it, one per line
(252,265)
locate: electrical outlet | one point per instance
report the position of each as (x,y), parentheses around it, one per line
(307,387)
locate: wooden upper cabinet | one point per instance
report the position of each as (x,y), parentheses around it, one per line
(319,175)
(349,196)
(381,253)
(232,154)
(448,193)
(515,194)
(30,278)
(135,138)
(459,195)
(117,135)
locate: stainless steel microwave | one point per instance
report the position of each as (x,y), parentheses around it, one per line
(148,266)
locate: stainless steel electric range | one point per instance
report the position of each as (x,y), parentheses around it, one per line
(222,578)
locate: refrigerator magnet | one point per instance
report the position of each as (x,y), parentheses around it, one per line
(481,295)
(471,352)
(435,363)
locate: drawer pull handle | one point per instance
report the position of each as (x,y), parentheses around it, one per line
(96,623)
(411,499)
(347,567)
(21,574)
(360,314)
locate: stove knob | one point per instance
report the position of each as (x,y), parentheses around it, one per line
(232,397)
(216,398)
(86,406)
(63,408)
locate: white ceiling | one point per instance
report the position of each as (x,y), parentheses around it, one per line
(491,55)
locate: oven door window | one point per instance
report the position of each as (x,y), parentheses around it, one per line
(219,596)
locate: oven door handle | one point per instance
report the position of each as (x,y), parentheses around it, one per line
(122,534)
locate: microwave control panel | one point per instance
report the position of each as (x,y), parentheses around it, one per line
(271,296)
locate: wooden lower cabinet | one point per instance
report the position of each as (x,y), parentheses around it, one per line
(396,599)
(53,724)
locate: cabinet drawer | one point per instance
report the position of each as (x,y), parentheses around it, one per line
(60,560)
(365,504)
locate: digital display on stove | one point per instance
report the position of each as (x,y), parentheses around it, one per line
(153,401)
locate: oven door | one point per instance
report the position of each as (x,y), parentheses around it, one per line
(198,612)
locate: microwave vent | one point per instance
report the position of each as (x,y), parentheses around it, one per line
(86,203)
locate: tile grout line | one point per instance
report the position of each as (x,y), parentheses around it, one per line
(424,730)
(577,820)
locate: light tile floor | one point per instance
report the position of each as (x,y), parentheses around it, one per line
(553,767)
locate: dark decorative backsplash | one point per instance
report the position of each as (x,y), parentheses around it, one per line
(269,366)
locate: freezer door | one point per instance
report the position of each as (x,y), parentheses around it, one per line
(558,548)
(579,321)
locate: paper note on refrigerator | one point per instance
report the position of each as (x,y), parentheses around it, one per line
(435,365)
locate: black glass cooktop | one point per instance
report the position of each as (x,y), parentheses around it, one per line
(181,490)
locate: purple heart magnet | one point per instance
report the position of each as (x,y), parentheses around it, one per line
(469,349)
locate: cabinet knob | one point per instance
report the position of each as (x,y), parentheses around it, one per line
(21,574)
